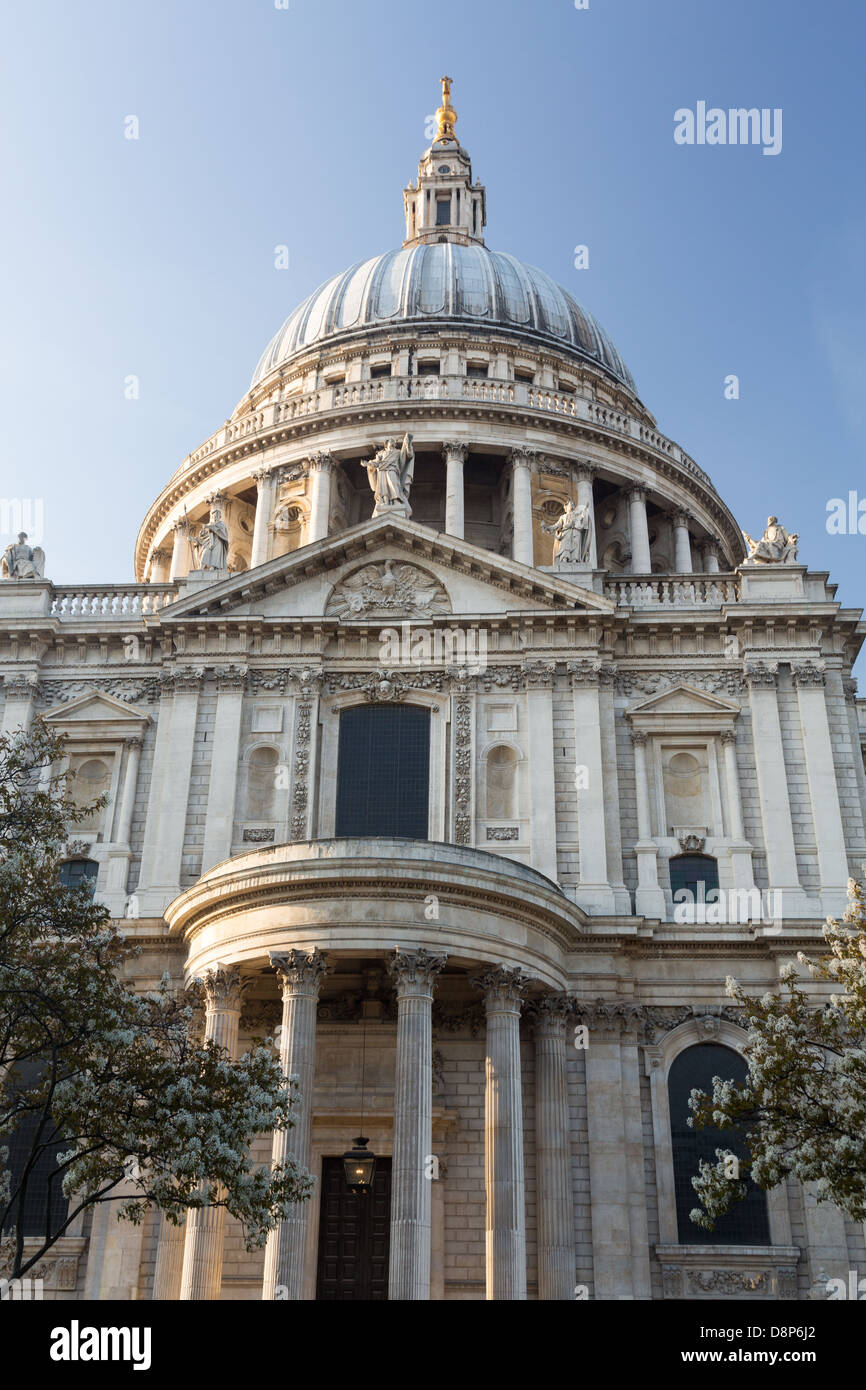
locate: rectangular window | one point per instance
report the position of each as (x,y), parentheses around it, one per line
(429,368)
(526,377)
(479,371)
(383,772)
(377,372)
(443,212)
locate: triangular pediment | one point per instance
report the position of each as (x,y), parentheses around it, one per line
(683,699)
(385,568)
(96,708)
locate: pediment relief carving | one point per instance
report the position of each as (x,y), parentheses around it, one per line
(388,589)
(682,699)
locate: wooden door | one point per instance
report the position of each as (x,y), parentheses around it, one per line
(354,1235)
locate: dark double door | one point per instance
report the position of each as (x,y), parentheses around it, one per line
(354,1236)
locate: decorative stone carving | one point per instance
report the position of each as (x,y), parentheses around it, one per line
(761,675)
(390,475)
(386,590)
(22,561)
(255,836)
(469,1017)
(725,682)
(223,988)
(583,674)
(692,838)
(503,986)
(260,1017)
(25,687)
(503,832)
(300,790)
(776,547)
(231,677)
(572,535)
(807,674)
(415,969)
(463,770)
(141,691)
(299,969)
(538,675)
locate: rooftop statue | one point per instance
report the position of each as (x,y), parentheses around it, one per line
(572,535)
(390,473)
(23,561)
(776,546)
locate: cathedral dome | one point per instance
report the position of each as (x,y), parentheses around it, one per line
(445,283)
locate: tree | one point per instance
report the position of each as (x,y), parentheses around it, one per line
(107,1093)
(802,1108)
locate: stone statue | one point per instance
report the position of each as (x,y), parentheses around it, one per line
(390,474)
(776,546)
(572,535)
(23,561)
(212,543)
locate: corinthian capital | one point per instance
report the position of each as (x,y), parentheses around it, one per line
(456,450)
(299,972)
(761,675)
(415,971)
(549,1016)
(223,988)
(503,987)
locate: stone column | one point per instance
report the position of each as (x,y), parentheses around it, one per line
(682,543)
(710,553)
(503,1136)
(225,751)
(455,457)
(849,693)
(773,789)
(321,471)
(594,891)
(300,974)
(649,898)
(201,1275)
(538,677)
(169,1261)
(160,566)
(411,1184)
(130,782)
(585,472)
(265,480)
(640,546)
(21,693)
(823,787)
(556,1256)
(740,850)
(181,551)
(523,550)
(117,868)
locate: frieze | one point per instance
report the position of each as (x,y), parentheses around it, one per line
(386,590)
(134,692)
(253,836)
(503,832)
(653,682)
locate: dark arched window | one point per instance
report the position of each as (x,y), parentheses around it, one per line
(746,1223)
(383,771)
(44,1206)
(699,873)
(74,872)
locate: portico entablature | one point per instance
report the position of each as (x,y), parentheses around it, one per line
(358,896)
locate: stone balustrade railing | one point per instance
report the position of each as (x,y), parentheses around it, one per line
(115,601)
(340,396)
(677,591)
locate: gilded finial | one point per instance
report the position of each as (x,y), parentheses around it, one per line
(446,116)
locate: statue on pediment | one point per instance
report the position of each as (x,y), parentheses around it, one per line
(776,547)
(390,474)
(572,535)
(23,561)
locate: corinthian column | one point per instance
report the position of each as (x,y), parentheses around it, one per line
(553,1152)
(321,472)
(640,546)
(521,496)
(300,975)
(455,457)
(409,1270)
(584,473)
(201,1276)
(265,480)
(682,543)
(505,1225)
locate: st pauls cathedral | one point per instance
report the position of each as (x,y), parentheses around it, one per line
(455,734)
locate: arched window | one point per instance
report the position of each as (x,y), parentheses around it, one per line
(501,783)
(44,1206)
(383,771)
(262,784)
(699,873)
(746,1223)
(74,872)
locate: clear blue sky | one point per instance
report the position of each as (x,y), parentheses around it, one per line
(262,126)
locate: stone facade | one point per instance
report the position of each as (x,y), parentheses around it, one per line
(589,725)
